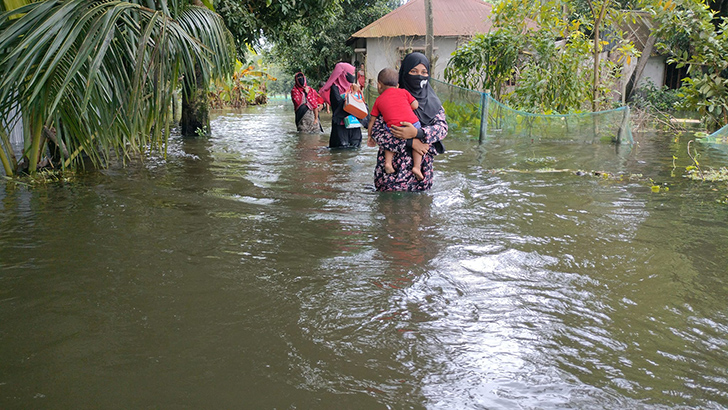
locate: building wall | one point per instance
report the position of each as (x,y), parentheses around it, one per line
(15,130)
(654,72)
(384,52)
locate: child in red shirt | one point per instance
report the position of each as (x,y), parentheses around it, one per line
(395,105)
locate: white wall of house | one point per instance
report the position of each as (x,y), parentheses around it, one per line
(654,72)
(385,52)
(15,130)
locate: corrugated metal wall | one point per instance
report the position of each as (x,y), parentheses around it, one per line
(15,128)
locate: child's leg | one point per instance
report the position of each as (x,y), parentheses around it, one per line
(388,168)
(417,160)
(417,165)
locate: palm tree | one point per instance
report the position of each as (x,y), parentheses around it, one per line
(97,76)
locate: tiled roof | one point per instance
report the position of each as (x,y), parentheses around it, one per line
(450,18)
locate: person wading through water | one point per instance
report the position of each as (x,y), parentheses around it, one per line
(307,103)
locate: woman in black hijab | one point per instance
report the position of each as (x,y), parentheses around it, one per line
(414,76)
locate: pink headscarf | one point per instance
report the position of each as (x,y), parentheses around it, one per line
(338,77)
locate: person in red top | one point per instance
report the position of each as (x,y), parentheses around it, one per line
(307,104)
(396,106)
(361,77)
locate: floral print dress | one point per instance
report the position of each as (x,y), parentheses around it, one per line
(403,179)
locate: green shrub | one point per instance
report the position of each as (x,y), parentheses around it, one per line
(651,98)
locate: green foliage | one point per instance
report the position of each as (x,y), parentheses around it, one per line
(552,69)
(554,79)
(97,76)
(663,99)
(245,87)
(305,35)
(462,117)
(253,20)
(316,44)
(487,62)
(691,39)
(708,93)
(283,83)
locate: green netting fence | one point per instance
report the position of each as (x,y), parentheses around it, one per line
(466,110)
(721,134)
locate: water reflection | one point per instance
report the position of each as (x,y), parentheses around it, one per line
(404,241)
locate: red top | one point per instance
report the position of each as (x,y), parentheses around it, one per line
(394,105)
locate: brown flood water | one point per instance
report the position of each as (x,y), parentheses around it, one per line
(257,269)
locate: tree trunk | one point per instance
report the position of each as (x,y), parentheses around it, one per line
(429,35)
(595,84)
(195,107)
(174,106)
(37,143)
(641,64)
(597,49)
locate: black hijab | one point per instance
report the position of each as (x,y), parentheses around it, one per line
(424,94)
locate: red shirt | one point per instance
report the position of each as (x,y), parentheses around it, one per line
(394,105)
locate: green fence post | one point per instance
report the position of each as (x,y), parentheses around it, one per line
(623,126)
(484,101)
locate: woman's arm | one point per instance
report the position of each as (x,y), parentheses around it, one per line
(421,139)
(435,131)
(401,137)
(384,138)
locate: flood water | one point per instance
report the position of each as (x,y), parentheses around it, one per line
(257,269)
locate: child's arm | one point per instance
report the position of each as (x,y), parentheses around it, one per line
(373,114)
(414,105)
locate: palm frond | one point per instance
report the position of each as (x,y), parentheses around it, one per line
(209,29)
(102,72)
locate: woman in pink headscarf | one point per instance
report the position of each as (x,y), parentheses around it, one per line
(341,81)
(306,104)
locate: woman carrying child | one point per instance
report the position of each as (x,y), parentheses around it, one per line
(413,77)
(395,105)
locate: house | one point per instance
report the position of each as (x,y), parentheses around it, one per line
(386,41)
(651,67)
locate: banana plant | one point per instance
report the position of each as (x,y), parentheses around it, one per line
(245,86)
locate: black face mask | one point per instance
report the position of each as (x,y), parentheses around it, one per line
(350,78)
(301,81)
(416,82)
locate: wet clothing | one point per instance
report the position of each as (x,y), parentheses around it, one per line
(434,128)
(305,102)
(307,123)
(341,137)
(403,179)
